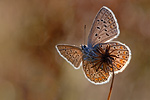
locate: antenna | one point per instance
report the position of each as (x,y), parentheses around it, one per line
(84,33)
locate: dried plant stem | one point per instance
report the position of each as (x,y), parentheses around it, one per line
(111,86)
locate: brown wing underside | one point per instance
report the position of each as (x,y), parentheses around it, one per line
(96,77)
(122,53)
(104,27)
(122,56)
(71,54)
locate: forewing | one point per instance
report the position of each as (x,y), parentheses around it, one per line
(71,54)
(95,77)
(121,54)
(104,27)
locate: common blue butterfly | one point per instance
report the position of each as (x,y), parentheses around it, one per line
(100,57)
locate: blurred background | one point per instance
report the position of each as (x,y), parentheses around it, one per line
(31,68)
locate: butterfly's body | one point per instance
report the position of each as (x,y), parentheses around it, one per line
(88,53)
(100,57)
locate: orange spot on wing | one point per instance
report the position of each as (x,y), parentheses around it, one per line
(99,78)
(118,66)
(124,52)
(87,75)
(123,57)
(121,61)
(109,17)
(110,69)
(110,22)
(103,77)
(121,47)
(106,73)
(96,79)
(111,26)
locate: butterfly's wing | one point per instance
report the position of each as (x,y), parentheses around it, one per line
(104,27)
(121,54)
(121,57)
(71,54)
(95,77)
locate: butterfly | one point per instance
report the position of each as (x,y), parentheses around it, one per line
(100,57)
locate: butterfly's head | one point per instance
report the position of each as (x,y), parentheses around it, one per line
(83,47)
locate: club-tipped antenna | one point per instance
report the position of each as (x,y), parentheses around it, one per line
(84,33)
